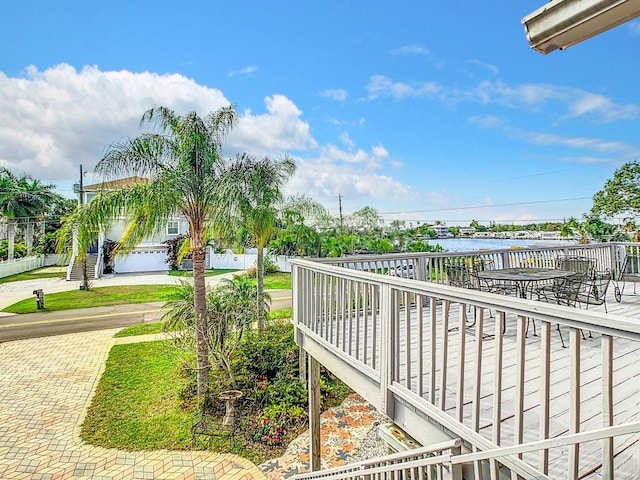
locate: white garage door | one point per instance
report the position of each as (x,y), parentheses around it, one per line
(142,261)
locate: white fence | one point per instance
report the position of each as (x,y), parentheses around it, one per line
(13,267)
(242,261)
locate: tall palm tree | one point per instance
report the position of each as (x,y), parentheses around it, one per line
(254,193)
(181,162)
(23,197)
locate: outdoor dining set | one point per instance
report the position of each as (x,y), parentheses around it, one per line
(575,281)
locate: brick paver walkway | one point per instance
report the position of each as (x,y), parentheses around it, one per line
(45,387)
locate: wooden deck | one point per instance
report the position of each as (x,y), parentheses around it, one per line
(427,353)
(626,379)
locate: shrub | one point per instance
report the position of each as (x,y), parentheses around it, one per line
(19,250)
(269,353)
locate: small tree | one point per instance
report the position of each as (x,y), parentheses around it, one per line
(621,194)
(231,311)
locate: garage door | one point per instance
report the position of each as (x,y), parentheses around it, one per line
(142,261)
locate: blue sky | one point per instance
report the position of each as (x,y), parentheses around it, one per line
(423,110)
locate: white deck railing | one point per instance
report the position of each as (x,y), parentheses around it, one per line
(441,352)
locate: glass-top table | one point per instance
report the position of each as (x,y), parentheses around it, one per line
(523,277)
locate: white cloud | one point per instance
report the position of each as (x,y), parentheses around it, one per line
(335,94)
(243,71)
(383,86)
(593,144)
(411,50)
(488,66)
(346,140)
(323,179)
(528,96)
(276,132)
(487,121)
(54,120)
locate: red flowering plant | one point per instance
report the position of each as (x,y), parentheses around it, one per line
(269,432)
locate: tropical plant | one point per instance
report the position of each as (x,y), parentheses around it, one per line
(181,164)
(231,311)
(23,198)
(253,192)
(367,219)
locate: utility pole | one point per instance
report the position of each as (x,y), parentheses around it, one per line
(340,209)
(85,277)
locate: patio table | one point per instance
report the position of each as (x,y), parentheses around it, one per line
(523,277)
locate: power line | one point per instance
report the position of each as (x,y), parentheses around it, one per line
(447,209)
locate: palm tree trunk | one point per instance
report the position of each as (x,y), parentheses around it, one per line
(200,307)
(260,286)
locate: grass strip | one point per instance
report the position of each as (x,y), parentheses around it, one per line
(276,281)
(140,329)
(156,327)
(100,296)
(46,272)
(136,405)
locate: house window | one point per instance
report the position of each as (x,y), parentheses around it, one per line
(173,228)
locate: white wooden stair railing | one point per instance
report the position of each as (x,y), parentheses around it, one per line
(408,465)
(443,460)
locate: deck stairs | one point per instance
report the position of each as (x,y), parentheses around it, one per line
(76,271)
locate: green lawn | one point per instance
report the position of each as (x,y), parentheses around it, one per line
(276,281)
(137,405)
(100,296)
(46,272)
(140,329)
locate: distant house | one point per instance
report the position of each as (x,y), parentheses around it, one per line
(441,230)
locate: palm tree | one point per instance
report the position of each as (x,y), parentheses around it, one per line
(181,164)
(254,194)
(23,197)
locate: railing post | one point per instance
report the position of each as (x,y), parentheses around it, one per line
(505,260)
(455,472)
(386,348)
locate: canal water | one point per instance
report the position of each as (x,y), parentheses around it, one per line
(472,244)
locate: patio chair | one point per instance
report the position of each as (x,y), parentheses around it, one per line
(458,276)
(594,291)
(563,291)
(583,266)
(629,272)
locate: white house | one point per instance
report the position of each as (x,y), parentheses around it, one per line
(148,256)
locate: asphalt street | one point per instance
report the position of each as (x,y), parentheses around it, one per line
(34,325)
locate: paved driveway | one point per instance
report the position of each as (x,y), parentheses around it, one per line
(46,385)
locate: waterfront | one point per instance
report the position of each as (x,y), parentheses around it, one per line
(472,244)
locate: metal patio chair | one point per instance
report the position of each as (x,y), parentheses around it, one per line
(629,272)
(563,291)
(594,291)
